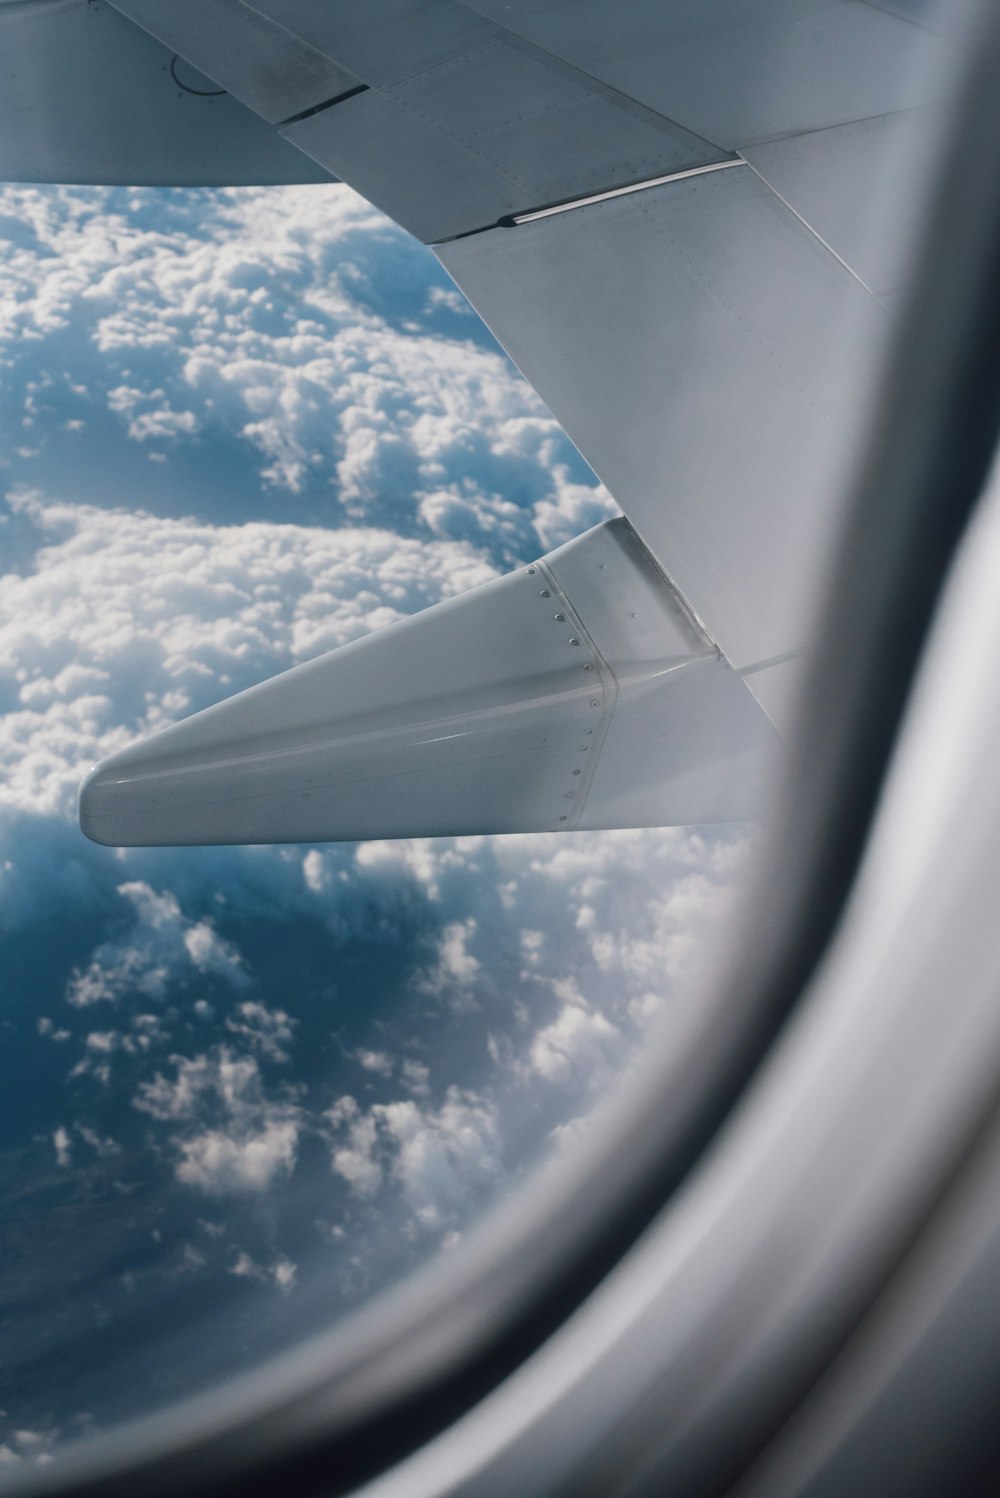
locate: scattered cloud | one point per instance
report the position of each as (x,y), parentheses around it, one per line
(281,1273)
(216,1161)
(580,1046)
(253,1135)
(439,1157)
(159,949)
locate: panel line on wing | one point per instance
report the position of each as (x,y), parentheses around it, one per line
(307,114)
(576,798)
(807,225)
(590,80)
(774,660)
(621,192)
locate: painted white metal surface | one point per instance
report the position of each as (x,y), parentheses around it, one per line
(777,687)
(714,363)
(633,617)
(88,97)
(687,747)
(624,192)
(735,73)
(490,133)
(686,741)
(952,18)
(276,74)
(466,718)
(708,343)
(854,186)
(488,713)
(382,41)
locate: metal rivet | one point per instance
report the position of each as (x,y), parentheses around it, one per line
(583,747)
(576,772)
(588,730)
(570,796)
(587,667)
(563,819)
(574,642)
(559,618)
(545,593)
(594,704)
(530,570)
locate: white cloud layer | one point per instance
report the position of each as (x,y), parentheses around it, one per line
(268,317)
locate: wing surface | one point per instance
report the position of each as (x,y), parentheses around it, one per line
(85,96)
(575,693)
(688,223)
(704,342)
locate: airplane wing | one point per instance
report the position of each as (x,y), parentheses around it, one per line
(695,269)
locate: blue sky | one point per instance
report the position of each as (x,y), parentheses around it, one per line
(246,1088)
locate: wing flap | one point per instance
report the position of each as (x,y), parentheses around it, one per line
(692,341)
(853,186)
(735,73)
(491,133)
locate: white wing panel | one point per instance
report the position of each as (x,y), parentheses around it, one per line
(688,338)
(490,133)
(686,741)
(853,184)
(463,719)
(735,73)
(577,692)
(691,747)
(88,97)
(274,73)
(453,116)
(777,687)
(952,18)
(382,41)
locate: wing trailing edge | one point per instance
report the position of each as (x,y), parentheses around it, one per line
(578,692)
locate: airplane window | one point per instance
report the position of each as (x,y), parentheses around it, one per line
(247,1088)
(303,984)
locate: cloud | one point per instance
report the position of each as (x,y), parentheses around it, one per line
(158,420)
(159,949)
(215,1161)
(456,969)
(253,1136)
(267,1031)
(439,1157)
(354,1158)
(379,1062)
(32,1447)
(580,1046)
(329,351)
(233,1080)
(281,1273)
(61,1141)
